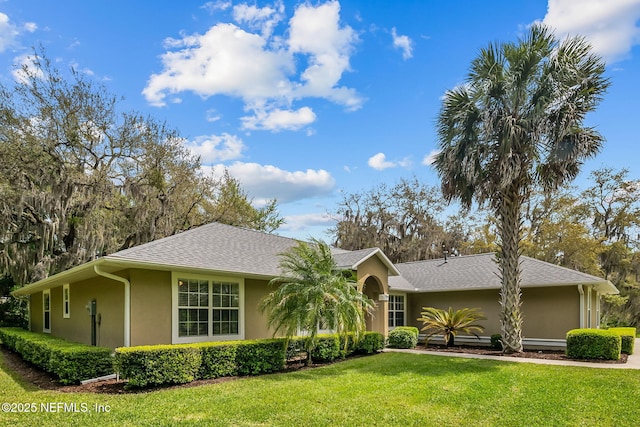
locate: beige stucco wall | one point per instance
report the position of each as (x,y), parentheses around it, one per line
(150,307)
(109,296)
(550,312)
(35,310)
(255,323)
(547,312)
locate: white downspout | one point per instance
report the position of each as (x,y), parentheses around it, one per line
(581,306)
(127,301)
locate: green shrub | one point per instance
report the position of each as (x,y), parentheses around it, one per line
(593,344)
(260,356)
(79,362)
(496,342)
(371,342)
(70,362)
(327,348)
(403,337)
(158,364)
(218,360)
(628,338)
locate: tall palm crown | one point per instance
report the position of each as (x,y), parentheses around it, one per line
(517,123)
(312,292)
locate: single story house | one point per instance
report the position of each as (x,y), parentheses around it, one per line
(205,284)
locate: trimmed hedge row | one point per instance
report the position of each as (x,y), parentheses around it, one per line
(593,344)
(330,346)
(403,337)
(628,336)
(182,363)
(70,362)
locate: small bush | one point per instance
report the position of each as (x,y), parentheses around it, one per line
(403,337)
(496,342)
(218,359)
(80,362)
(628,336)
(327,348)
(593,344)
(371,342)
(70,362)
(160,364)
(260,356)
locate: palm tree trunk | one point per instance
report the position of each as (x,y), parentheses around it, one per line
(510,231)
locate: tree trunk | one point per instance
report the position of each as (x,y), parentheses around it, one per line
(449,340)
(510,231)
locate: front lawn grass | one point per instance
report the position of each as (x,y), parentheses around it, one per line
(389,389)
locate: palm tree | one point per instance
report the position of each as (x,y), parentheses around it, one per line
(449,323)
(517,123)
(313,291)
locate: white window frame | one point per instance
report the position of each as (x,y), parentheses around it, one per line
(589,322)
(46,295)
(66,301)
(389,310)
(175,338)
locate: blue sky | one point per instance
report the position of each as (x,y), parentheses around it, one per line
(303,101)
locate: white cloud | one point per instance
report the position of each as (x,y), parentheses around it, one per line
(26,63)
(610,26)
(430,158)
(379,162)
(316,31)
(304,221)
(259,67)
(8,32)
(212,115)
(264,182)
(31,27)
(226,60)
(404,43)
(256,18)
(213,6)
(216,148)
(276,120)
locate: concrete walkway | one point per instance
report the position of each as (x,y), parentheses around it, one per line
(633,361)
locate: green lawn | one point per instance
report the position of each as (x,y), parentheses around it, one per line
(386,389)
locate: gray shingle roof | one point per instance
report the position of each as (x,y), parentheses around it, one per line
(481,272)
(216,247)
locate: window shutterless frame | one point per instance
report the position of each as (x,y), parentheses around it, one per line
(206,308)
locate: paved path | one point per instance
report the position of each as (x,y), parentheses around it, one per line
(633,361)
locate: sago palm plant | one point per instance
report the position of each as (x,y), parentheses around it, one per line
(449,323)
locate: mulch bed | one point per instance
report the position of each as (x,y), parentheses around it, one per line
(45,381)
(530,354)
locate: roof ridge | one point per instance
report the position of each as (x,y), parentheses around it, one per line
(448,258)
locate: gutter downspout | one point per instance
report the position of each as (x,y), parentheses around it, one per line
(127,301)
(581,306)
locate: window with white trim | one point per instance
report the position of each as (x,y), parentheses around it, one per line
(66,301)
(396,310)
(207,308)
(46,311)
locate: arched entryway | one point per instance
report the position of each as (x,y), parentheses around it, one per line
(372,287)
